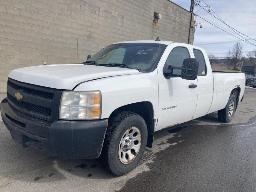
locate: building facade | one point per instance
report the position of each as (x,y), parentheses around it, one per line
(65,31)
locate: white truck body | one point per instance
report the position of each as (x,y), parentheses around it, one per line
(173,102)
(112,104)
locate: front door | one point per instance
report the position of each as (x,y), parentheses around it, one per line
(177,96)
(204,85)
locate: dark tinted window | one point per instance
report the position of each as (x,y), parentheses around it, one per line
(202,70)
(176,58)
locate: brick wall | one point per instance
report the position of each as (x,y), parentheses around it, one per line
(65,31)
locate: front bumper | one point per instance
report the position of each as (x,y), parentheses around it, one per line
(67,139)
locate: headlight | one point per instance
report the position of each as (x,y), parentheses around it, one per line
(80,105)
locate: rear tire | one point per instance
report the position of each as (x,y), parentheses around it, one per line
(125,142)
(225,115)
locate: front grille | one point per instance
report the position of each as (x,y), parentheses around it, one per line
(33,101)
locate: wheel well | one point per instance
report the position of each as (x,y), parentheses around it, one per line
(238,90)
(145,110)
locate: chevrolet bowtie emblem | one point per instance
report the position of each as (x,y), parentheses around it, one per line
(18,96)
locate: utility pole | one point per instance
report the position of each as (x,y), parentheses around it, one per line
(192,6)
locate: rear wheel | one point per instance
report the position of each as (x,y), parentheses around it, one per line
(125,143)
(225,115)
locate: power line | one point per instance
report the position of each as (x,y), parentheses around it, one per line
(230,33)
(233,29)
(216,26)
(234,32)
(213,13)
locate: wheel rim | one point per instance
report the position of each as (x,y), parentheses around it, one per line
(129,145)
(231,108)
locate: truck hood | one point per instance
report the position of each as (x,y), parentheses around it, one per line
(66,76)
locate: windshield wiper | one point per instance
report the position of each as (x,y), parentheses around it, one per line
(90,62)
(118,65)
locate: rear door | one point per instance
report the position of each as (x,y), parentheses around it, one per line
(204,84)
(177,99)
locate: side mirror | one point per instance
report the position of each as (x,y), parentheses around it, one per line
(89,57)
(168,71)
(189,69)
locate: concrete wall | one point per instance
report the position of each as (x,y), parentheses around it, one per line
(65,31)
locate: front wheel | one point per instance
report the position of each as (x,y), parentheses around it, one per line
(225,115)
(125,142)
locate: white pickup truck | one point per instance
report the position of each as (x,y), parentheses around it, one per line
(112,104)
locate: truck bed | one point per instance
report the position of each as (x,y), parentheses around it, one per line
(223,82)
(227,71)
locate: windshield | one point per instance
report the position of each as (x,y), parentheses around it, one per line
(141,56)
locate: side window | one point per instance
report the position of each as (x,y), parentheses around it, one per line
(202,70)
(176,58)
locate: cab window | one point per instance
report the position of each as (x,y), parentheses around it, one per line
(199,56)
(176,59)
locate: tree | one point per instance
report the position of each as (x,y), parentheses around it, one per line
(235,56)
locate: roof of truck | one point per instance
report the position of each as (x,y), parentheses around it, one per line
(149,41)
(163,43)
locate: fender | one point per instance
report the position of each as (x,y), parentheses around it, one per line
(119,91)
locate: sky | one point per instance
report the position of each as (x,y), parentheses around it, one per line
(240,14)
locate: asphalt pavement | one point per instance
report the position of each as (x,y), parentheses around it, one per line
(202,155)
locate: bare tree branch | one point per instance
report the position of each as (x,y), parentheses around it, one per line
(235,56)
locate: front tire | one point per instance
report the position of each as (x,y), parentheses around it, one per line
(125,142)
(225,115)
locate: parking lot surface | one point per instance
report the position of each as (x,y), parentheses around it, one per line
(202,155)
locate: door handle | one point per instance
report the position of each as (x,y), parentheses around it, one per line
(192,86)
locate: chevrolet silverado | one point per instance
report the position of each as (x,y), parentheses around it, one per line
(111,104)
